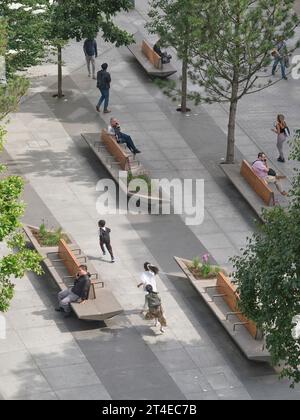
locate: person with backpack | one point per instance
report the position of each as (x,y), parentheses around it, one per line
(103,84)
(153,303)
(104,239)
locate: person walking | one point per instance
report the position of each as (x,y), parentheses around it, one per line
(91,53)
(104,239)
(282,131)
(103,84)
(79,291)
(280,57)
(148,277)
(114,129)
(153,303)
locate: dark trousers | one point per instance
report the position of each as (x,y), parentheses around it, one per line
(108,247)
(124,138)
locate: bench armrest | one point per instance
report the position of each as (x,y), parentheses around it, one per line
(99,282)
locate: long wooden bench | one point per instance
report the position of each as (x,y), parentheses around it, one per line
(221,296)
(256,192)
(149,59)
(66,258)
(116,150)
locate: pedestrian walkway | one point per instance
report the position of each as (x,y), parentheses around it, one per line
(194,359)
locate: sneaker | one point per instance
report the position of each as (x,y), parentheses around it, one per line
(285,78)
(136,151)
(94,77)
(89,75)
(106,111)
(162,330)
(284,193)
(280,176)
(280,160)
(97,108)
(112,260)
(104,253)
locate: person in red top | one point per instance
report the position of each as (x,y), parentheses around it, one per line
(282,131)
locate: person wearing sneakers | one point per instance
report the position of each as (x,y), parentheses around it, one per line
(114,129)
(91,52)
(104,238)
(262,170)
(103,84)
(282,131)
(153,303)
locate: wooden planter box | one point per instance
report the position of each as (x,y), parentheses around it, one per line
(221,297)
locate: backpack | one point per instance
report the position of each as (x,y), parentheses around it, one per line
(153,300)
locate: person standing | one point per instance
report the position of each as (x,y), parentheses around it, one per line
(104,238)
(282,131)
(91,53)
(103,84)
(279,54)
(79,291)
(153,303)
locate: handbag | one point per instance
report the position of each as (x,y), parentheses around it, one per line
(271,172)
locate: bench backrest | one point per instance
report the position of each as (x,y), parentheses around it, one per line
(152,56)
(257,184)
(71,263)
(231,297)
(115,150)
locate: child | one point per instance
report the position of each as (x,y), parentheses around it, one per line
(104,238)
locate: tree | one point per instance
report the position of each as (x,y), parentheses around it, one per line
(20,259)
(268,276)
(176,23)
(25,20)
(233,51)
(78,19)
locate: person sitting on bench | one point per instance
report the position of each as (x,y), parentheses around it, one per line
(79,291)
(114,129)
(165,57)
(268,175)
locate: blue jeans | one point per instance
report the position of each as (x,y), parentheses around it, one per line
(282,66)
(124,138)
(104,97)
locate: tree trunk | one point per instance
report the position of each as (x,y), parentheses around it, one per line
(231,123)
(184,85)
(59,78)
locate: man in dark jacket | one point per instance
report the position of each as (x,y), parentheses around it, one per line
(91,52)
(103,84)
(104,239)
(79,291)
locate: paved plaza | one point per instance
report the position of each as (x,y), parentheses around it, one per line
(48,357)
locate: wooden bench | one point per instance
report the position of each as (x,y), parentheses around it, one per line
(256,192)
(231,297)
(101,303)
(149,59)
(66,258)
(221,297)
(116,150)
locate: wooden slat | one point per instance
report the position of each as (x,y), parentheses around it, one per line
(115,150)
(231,298)
(152,56)
(257,184)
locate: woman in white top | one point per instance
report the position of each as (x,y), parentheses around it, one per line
(148,277)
